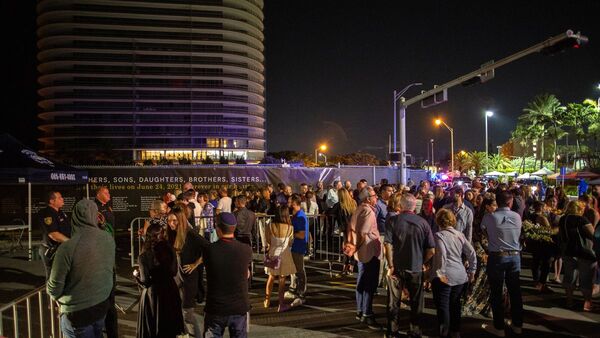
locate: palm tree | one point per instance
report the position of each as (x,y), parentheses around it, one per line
(543,116)
(522,136)
(579,116)
(594,126)
(499,162)
(476,160)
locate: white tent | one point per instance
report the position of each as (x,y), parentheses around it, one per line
(512,174)
(594,182)
(543,172)
(528,176)
(494,173)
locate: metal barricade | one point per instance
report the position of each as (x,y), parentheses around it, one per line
(31,315)
(134,227)
(326,238)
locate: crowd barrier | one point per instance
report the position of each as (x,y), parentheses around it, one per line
(34,313)
(325,240)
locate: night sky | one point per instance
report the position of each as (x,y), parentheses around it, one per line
(332,67)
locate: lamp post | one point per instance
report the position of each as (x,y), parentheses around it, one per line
(324,156)
(438,122)
(487,114)
(402,116)
(323,147)
(432,159)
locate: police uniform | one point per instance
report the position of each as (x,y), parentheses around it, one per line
(106,221)
(106,218)
(51,220)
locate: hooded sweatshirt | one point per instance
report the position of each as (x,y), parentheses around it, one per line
(82,271)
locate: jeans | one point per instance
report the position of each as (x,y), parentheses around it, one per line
(501,269)
(111,322)
(214,326)
(93,330)
(194,319)
(298,280)
(413,281)
(583,269)
(366,285)
(448,305)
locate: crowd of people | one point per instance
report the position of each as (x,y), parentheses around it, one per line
(463,244)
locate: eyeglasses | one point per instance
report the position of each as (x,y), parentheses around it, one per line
(374,195)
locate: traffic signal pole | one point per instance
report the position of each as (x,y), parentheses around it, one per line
(552,45)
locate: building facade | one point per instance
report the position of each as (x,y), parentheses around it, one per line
(145,80)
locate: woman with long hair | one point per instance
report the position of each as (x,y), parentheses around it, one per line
(160,312)
(478,298)
(279,235)
(343,212)
(576,235)
(187,245)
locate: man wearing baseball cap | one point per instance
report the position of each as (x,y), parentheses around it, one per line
(226,262)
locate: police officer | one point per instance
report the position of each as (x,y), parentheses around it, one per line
(55,228)
(106,221)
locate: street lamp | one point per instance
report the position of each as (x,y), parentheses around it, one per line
(323,147)
(402,116)
(432,159)
(325,156)
(438,122)
(487,114)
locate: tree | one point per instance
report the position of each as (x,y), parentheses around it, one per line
(499,163)
(358,158)
(476,161)
(580,117)
(543,116)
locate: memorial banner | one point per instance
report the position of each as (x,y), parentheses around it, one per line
(133,189)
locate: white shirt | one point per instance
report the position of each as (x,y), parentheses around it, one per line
(314,208)
(224,204)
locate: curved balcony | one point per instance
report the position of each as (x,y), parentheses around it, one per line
(158,75)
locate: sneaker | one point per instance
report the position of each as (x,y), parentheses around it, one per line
(283,308)
(516,329)
(491,329)
(414,331)
(289,295)
(358,316)
(297,302)
(372,323)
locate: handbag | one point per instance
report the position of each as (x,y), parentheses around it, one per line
(274,262)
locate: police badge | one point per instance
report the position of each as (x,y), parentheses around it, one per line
(48,220)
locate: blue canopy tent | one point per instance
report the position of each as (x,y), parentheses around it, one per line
(22,166)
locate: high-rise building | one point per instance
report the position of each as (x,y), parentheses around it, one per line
(151,79)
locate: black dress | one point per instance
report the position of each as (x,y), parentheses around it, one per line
(160,313)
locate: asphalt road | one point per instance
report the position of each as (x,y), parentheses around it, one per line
(330,307)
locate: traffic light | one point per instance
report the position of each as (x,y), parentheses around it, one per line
(570,41)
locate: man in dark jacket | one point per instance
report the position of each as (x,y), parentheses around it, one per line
(82,274)
(106,221)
